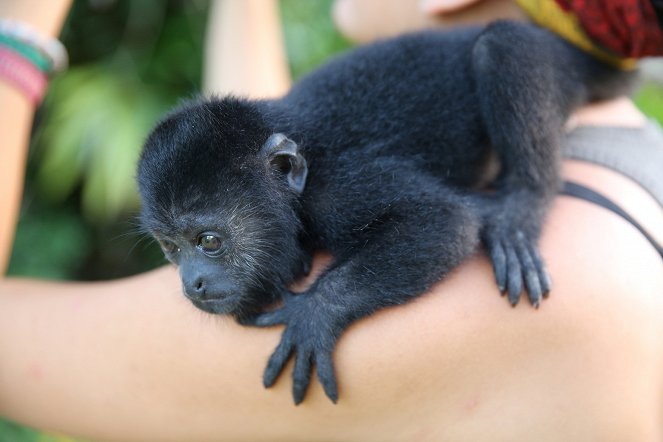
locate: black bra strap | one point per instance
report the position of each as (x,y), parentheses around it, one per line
(587,194)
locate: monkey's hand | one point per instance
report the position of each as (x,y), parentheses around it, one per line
(310,335)
(511,226)
(515,257)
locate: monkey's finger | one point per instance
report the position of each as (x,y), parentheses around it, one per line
(515,277)
(325,368)
(301,375)
(544,277)
(498,258)
(529,271)
(276,362)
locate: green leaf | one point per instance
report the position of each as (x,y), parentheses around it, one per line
(97,120)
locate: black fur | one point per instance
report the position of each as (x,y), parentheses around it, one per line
(379,157)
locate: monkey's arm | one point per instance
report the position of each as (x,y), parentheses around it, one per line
(422,231)
(528,82)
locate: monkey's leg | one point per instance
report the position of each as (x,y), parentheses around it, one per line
(525,97)
(400,251)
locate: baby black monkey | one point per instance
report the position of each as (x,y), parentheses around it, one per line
(380,157)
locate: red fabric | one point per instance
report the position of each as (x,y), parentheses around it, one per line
(628,28)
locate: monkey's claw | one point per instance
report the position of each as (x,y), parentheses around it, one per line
(311,341)
(516,259)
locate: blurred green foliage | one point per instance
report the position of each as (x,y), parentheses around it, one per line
(11,432)
(131,61)
(120,82)
(310,35)
(98,152)
(649,99)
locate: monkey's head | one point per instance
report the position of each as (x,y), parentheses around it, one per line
(220,193)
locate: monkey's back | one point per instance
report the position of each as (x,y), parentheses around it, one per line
(411,97)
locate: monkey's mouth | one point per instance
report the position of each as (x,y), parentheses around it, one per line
(219,306)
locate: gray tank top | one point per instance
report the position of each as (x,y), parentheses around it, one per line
(634,152)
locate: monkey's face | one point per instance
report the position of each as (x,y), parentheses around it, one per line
(236,256)
(221,200)
(205,276)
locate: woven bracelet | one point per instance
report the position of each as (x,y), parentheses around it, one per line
(19,71)
(32,54)
(50,48)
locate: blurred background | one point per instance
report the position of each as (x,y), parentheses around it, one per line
(131,61)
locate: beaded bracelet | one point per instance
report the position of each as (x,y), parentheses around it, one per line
(26,58)
(32,54)
(50,48)
(23,74)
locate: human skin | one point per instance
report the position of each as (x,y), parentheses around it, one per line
(133,360)
(237,28)
(366,20)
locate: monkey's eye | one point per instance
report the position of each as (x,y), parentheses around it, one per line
(210,243)
(168,247)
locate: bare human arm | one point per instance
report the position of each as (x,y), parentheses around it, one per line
(16,113)
(132,360)
(16,117)
(245,53)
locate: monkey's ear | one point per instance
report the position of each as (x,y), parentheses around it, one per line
(282,155)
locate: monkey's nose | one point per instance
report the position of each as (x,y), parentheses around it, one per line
(201,288)
(195,289)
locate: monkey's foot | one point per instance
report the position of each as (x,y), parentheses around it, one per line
(516,259)
(309,336)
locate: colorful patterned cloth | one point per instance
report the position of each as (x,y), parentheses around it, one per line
(616,31)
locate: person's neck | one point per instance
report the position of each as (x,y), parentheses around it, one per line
(617,112)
